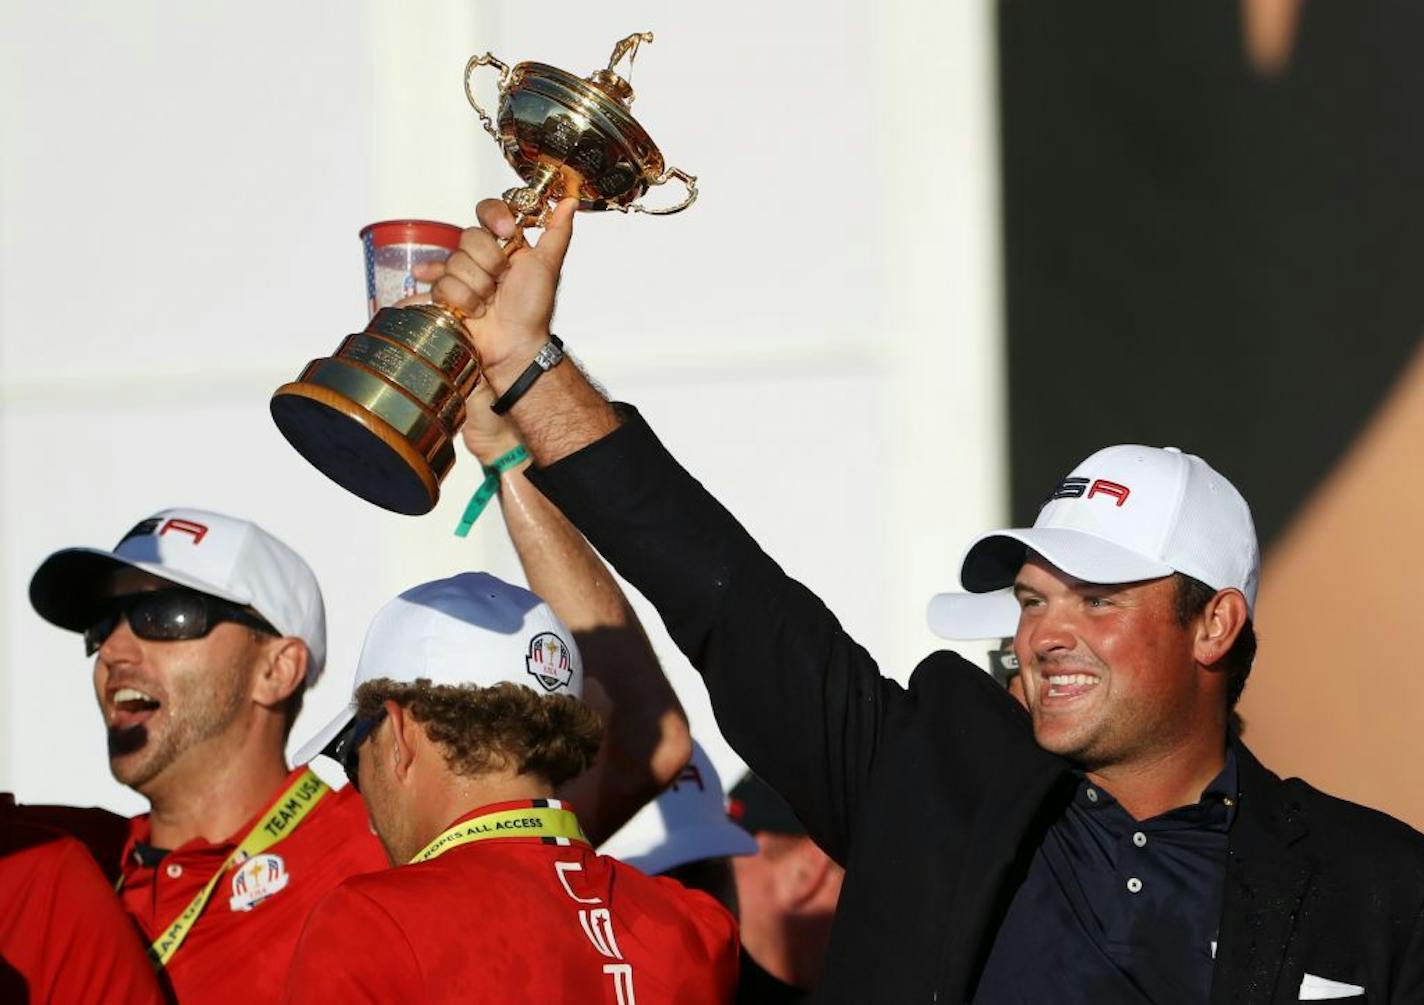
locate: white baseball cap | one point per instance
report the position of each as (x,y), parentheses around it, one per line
(469,629)
(688,822)
(222,556)
(1127,513)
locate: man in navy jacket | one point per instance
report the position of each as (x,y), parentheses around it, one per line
(1115,843)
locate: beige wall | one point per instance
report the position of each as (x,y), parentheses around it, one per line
(1337,695)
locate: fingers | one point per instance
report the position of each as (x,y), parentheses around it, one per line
(471,275)
(411,301)
(495,217)
(558,232)
(480,247)
(454,293)
(427,272)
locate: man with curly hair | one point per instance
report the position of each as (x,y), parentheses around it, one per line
(205,632)
(465,718)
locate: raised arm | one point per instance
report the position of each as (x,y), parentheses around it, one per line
(646,739)
(796,696)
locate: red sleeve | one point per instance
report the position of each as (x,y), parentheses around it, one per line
(63,929)
(351,950)
(102,832)
(723,943)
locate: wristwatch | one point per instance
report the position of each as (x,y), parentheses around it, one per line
(548,357)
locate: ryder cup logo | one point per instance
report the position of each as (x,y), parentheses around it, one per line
(256,880)
(549,661)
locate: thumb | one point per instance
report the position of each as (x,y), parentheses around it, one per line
(558,231)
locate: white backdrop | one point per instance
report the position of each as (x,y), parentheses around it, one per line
(180,190)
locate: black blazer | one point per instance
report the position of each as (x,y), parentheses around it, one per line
(935,796)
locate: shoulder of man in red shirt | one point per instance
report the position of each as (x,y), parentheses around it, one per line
(63,935)
(102,832)
(511,919)
(241,946)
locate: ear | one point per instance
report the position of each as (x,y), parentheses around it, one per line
(283,671)
(1221,621)
(406,737)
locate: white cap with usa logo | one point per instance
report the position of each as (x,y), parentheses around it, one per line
(470,629)
(1127,513)
(222,556)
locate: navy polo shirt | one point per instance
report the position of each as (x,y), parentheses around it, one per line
(1115,909)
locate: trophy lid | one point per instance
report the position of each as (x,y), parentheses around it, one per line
(570,135)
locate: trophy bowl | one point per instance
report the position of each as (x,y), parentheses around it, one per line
(381,414)
(575,136)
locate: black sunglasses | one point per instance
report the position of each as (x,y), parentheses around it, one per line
(346,747)
(169,616)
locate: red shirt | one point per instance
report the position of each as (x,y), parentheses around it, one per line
(516,919)
(63,936)
(241,945)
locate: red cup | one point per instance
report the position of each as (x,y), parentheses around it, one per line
(393,248)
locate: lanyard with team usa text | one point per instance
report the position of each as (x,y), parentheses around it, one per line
(546,819)
(290,809)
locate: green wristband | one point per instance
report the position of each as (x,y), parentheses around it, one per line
(489,487)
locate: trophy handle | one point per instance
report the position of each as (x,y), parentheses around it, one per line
(474,64)
(689,182)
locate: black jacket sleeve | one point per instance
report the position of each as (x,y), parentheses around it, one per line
(804,705)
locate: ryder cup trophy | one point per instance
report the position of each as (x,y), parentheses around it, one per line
(380,416)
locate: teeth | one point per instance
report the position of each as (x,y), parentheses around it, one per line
(124,694)
(1070,679)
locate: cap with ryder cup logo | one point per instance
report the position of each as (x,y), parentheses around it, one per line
(1127,513)
(222,556)
(469,629)
(687,823)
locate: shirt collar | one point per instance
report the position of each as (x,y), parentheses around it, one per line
(514,804)
(1222,790)
(140,830)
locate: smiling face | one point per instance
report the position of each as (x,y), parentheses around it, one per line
(1108,672)
(164,703)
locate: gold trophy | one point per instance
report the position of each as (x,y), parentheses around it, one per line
(380,416)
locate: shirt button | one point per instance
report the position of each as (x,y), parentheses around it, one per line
(174,870)
(1092,795)
(1134,885)
(1140,839)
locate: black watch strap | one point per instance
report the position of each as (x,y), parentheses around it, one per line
(546,359)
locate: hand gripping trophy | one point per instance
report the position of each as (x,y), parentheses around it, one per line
(380,416)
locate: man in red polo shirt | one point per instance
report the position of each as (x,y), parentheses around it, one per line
(63,936)
(206,630)
(465,718)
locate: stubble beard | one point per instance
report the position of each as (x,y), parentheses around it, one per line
(192,715)
(1118,733)
(1089,741)
(386,822)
